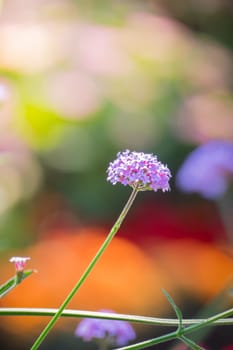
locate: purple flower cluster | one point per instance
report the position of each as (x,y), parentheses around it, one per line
(140,170)
(115,333)
(207,169)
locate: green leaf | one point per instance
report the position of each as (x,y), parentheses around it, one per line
(190,343)
(14,281)
(175,308)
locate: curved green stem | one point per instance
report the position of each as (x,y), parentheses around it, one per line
(110,236)
(156,321)
(177,334)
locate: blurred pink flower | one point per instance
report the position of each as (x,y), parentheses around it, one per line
(3,92)
(33,50)
(199,118)
(101,51)
(72,94)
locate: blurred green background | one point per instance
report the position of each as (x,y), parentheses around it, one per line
(80,81)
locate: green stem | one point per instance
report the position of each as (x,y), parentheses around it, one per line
(156,321)
(107,241)
(14,281)
(190,343)
(177,334)
(208,321)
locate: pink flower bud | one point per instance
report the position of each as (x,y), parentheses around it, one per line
(20,262)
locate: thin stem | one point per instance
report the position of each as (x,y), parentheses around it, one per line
(107,241)
(150,342)
(177,334)
(190,343)
(208,321)
(166,322)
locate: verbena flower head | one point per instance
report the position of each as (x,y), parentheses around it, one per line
(207,169)
(20,262)
(111,332)
(141,170)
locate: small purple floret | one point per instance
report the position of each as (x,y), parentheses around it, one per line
(140,170)
(207,169)
(117,332)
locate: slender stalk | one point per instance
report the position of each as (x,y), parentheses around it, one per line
(178,334)
(150,342)
(208,321)
(107,241)
(156,321)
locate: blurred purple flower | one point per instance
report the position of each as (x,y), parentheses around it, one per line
(20,262)
(140,170)
(112,332)
(207,169)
